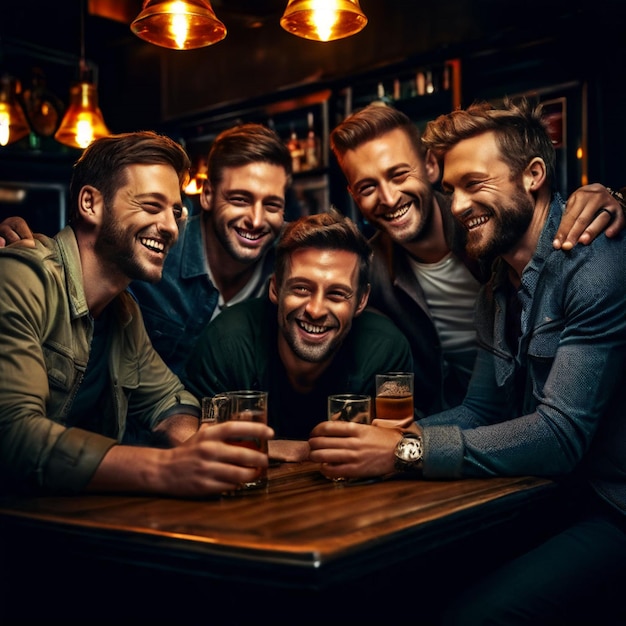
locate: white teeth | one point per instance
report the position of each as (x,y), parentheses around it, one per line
(398,212)
(311,328)
(153,244)
(248,235)
(476,221)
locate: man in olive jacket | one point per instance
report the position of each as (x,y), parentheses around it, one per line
(76,364)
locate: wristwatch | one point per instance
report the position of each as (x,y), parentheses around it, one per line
(409,453)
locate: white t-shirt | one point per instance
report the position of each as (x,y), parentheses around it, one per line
(450,291)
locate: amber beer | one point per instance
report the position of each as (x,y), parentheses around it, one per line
(394,396)
(394,407)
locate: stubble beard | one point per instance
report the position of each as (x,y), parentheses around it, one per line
(509,225)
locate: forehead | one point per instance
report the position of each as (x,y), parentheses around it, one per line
(152,178)
(381,153)
(258,178)
(323,266)
(479,154)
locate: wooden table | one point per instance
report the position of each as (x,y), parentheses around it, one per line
(303,533)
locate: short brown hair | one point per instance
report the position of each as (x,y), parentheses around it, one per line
(369,123)
(324,231)
(244,144)
(520,131)
(103,163)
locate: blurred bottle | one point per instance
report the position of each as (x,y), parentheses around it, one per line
(296,150)
(311,146)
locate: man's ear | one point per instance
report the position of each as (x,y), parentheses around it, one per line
(534,175)
(206,196)
(363,301)
(433,171)
(273,290)
(90,205)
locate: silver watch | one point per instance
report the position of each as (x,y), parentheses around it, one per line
(409,453)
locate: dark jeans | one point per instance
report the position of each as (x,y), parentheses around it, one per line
(575,577)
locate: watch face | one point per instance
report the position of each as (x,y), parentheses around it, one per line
(412,450)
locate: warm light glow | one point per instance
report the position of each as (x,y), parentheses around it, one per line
(178,24)
(83,121)
(323,20)
(579,153)
(324,16)
(13,123)
(4,124)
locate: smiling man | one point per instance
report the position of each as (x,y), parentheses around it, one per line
(422,276)
(548,389)
(225,254)
(311,337)
(76,364)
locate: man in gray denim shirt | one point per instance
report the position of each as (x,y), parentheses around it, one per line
(549,387)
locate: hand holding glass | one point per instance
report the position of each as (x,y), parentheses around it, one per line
(244,405)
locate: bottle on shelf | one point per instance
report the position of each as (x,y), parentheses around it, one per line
(311,146)
(296,150)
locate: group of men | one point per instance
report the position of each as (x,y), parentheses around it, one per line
(242,300)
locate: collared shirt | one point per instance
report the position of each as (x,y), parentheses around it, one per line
(555,406)
(45,335)
(178,307)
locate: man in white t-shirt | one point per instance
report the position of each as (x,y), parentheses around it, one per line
(421,277)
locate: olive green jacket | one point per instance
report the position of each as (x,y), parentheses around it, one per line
(45,337)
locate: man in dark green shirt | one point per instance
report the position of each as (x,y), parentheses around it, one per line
(310,338)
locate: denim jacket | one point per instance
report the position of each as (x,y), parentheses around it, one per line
(178,307)
(569,374)
(45,336)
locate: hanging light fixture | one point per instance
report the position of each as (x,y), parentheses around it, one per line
(83,121)
(178,24)
(323,20)
(13,123)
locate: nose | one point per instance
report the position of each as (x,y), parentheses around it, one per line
(387,193)
(316,305)
(256,215)
(460,203)
(169,225)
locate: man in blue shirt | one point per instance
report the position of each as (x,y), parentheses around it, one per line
(225,254)
(548,390)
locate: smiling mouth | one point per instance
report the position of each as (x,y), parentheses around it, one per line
(153,245)
(397,213)
(475,222)
(313,329)
(250,236)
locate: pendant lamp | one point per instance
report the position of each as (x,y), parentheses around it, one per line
(13,123)
(178,24)
(83,121)
(323,20)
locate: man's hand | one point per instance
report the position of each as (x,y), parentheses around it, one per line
(14,229)
(207,463)
(350,450)
(589,211)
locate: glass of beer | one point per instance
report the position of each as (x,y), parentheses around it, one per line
(394,397)
(248,405)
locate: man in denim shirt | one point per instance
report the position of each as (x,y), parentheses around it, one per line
(549,387)
(225,254)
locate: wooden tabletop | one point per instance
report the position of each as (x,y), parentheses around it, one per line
(304,528)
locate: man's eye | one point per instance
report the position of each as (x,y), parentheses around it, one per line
(274,208)
(400,177)
(339,296)
(365,190)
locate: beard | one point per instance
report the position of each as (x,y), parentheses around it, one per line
(116,249)
(310,353)
(509,225)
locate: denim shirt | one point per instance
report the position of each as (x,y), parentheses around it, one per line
(178,307)
(556,407)
(45,337)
